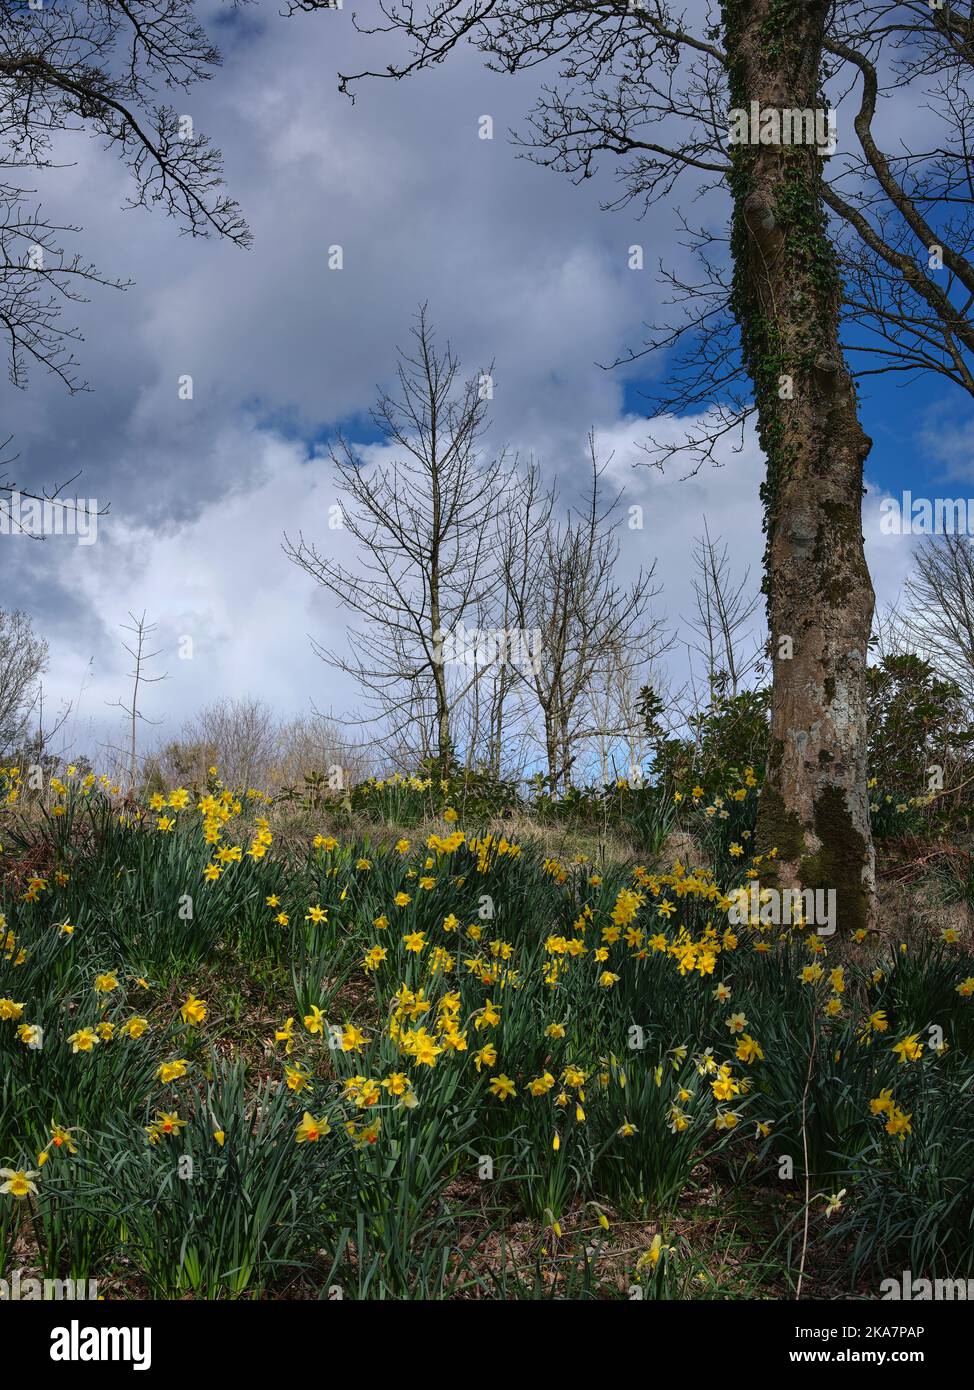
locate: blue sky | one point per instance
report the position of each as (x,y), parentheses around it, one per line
(517,265)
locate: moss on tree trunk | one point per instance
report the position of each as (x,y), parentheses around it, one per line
(787,296)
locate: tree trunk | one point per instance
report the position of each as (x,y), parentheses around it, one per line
(444,742)
(814,807)
(551,749)
(566,753)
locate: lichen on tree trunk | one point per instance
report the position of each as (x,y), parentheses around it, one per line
(814,807)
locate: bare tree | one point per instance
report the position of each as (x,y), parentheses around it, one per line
(723,618)
(23,660)
(619,736)
(250,747)
(315,744)
(423,524)
(939,611)
(562,583)
(141,631)
(493,722)
(522,555)
(891,632)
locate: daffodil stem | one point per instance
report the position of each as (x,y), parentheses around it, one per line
(808,1199)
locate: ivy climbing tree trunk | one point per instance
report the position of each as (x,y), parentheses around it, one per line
(814,807)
